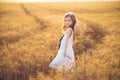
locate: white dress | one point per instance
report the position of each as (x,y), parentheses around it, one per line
(60,61)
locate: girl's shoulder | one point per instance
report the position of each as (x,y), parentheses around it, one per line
(69,29)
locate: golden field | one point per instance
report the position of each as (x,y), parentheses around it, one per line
(29,33)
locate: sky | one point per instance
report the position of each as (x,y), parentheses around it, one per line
(52,0)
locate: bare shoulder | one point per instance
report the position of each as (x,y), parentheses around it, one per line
(69,31)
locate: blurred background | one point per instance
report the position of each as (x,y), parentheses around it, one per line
(30,30)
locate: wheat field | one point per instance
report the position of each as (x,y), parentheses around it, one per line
(29,33)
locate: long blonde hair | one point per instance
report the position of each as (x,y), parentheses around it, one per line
(74,26)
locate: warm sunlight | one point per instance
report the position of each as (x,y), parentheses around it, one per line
(33,39)
(53,0)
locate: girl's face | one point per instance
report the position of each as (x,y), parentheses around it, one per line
(67,21)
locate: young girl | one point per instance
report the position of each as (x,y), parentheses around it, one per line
(65,57)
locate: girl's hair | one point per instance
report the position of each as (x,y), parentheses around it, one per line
(74,26)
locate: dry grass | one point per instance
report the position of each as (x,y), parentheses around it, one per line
(29,35)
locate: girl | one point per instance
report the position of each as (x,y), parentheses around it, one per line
(65,58)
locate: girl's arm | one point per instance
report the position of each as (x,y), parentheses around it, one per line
(69,32)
